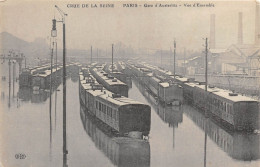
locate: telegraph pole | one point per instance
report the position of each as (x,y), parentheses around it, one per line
(97,54)
(91,56)
(51,93)
(9,64)
(56,79)
(161,58)
(112,57)
(174,56)
(14,77)
(184,61)
(206,101)
(206,64)
(65,151)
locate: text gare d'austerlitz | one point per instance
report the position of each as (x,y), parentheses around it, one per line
(135,5)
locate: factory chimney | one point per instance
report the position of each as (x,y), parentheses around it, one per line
(257,23)
(212,31)
(240,29)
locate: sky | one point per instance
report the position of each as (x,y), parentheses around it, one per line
(153,28)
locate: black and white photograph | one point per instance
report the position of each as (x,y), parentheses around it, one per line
(129,83)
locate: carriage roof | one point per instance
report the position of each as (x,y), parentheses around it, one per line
(109,81)
(226,94)
(120,101)
(180,79)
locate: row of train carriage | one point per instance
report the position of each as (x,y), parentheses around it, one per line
(236,111)
(121,151)
(166,92)
(223,137)
(238,145)
(40,76)
(117,71)
(121,114)
(109,82)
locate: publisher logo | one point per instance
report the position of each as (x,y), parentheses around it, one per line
(20,156)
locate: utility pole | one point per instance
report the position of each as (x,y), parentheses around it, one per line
(56,62)
(174,57)
(161,58)
(14,77)
(206,101)
(56,79)
(184,62)
(65,151)
(91,55)
(50,94)
(206,64)
(112,57)
(97,54)
(9,64)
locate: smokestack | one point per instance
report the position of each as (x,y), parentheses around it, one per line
(257,23)
(240,29)
(212,31)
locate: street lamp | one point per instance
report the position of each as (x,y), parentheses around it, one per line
(54,31)
(65,152)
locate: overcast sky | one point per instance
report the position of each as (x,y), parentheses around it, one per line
(139,27)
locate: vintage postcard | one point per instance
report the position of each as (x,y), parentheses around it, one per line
(129,83)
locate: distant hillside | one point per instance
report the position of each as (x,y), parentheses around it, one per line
(36,49)
(8,41)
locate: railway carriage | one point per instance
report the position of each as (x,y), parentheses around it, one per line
(239,111)
(43,79)
(25,78)
(120,113)
(121,151)
(153,85)
(116,73)
(240,146)
(110,83)
(188,91)
(170,92)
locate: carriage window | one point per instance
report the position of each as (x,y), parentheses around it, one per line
(226,107)
(114,114)
(100,106)
(110,113)
(104,108)
(117,114)
(110,110)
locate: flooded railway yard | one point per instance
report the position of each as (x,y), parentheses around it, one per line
(179,135)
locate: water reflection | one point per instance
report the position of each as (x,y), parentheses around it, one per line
(129,82)
(238,145)
(26,94)
(173,115)
(120,150)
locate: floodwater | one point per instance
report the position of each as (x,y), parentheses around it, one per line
(179,136)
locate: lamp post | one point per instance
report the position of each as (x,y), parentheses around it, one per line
(54,32)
